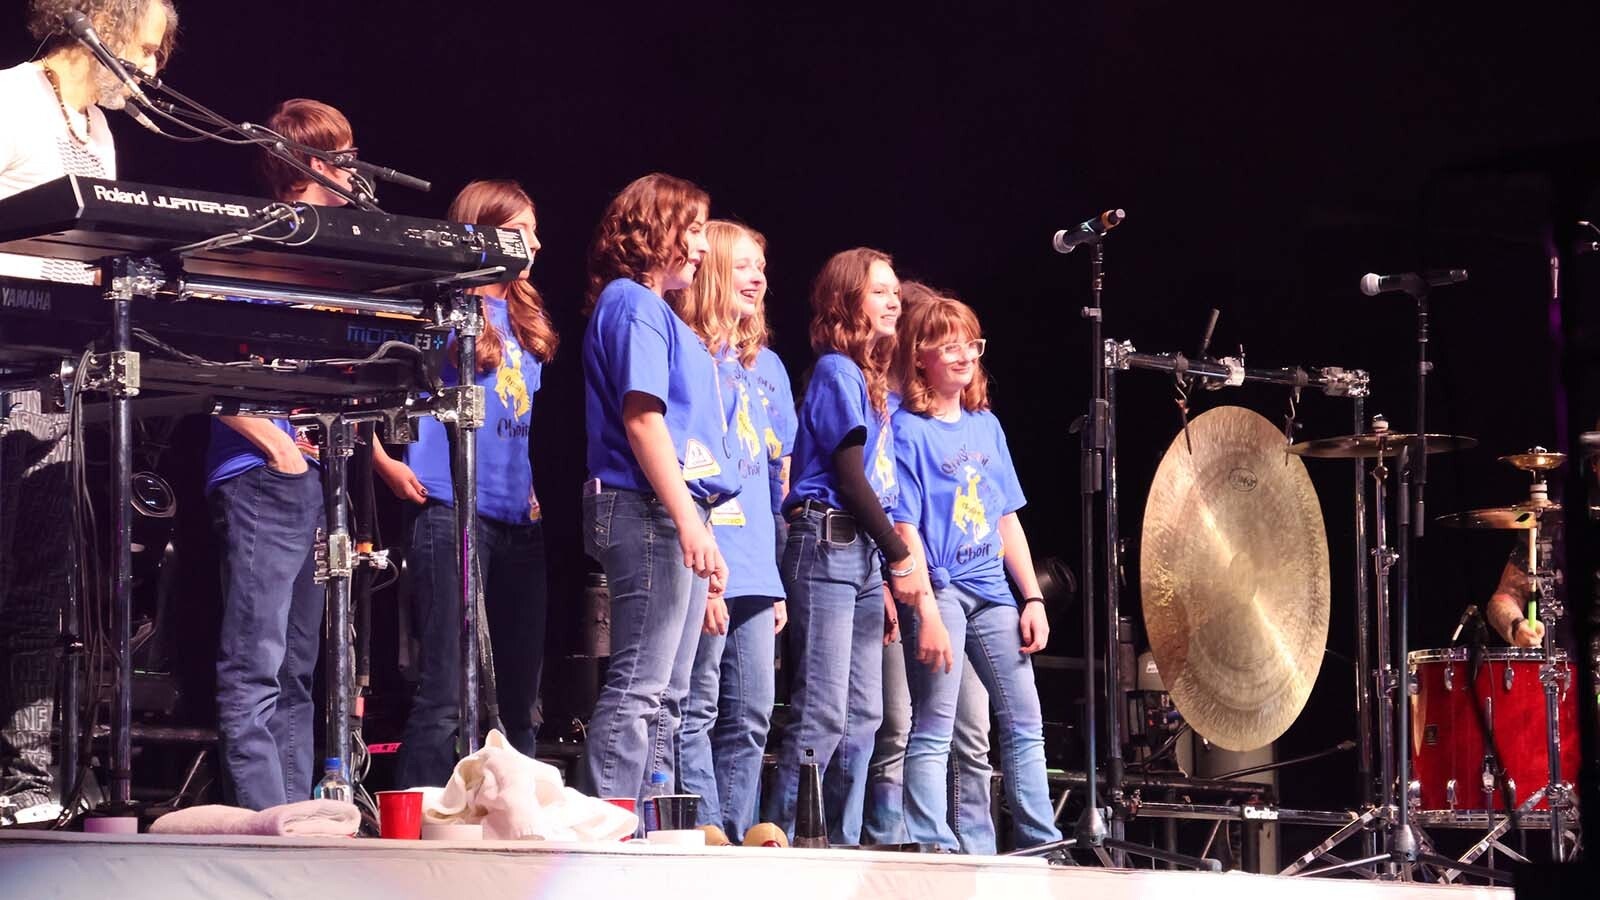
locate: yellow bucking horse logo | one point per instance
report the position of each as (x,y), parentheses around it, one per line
(745,426)
(970,516)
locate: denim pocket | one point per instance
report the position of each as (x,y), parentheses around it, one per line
(285,475)
(801,544)
(597,511)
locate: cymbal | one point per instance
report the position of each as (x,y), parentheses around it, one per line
(1523,516)
(1371,445)
(1536,460)
(1234,575)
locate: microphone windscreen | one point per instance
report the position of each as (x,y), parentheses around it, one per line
(1369,284)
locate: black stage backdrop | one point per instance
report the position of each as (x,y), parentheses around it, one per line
(1267,154)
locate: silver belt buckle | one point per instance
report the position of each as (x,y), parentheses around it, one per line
(591,488)
(827,528)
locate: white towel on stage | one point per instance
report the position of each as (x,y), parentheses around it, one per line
(518,798)
(307,818)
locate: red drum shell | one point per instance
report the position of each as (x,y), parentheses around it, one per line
(1447,746)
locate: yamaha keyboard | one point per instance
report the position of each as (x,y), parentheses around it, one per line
(91,219)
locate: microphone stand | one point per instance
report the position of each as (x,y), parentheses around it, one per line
(1098,477)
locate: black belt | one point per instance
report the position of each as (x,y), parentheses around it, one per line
(838,526)
(593,487)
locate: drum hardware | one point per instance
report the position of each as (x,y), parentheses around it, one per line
(1406,844)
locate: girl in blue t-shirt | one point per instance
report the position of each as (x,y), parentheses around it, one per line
(660,457)
(843,483)
(516,342)
(729,710)
(957,509)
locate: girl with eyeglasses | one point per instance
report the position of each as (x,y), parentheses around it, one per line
(957,511)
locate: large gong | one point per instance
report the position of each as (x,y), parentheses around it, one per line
(1234,574)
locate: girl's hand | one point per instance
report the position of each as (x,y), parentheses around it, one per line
(891,618)
(400,479)
(716,614)
(933,640)
(700,551)
(1035,626)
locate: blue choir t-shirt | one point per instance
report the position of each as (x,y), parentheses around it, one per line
(745,529)
(505,474)
(777,398)
(231,454)
(635,342)
(956,481)
(837,403)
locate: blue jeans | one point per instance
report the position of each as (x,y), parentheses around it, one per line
(271,631)
(511,560)
(971,819)
(726,718)
(657,607)
(885,815)
(989,632)
(971,815)
(836,693)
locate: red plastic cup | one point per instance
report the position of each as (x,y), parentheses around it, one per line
(626,803)
(400,814)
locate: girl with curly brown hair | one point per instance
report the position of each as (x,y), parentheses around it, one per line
(659,457)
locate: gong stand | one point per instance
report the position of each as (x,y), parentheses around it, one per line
(1097,431)
(1332,381)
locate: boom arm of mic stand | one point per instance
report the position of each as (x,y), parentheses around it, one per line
(278,146)
(1340,747)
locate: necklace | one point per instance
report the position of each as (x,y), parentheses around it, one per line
(55,85)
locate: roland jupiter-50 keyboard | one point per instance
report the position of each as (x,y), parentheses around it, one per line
(89,219)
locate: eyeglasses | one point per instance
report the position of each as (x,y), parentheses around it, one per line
(955,350)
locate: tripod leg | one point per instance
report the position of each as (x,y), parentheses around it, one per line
(1177,859)
(1338,837)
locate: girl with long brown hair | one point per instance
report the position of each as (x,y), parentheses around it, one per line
(517,341)
(839,534)
(660,457)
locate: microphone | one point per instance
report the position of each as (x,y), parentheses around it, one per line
(1467,615)
(1413,283)
(1093,230)
(138,116)
(382,173)
(83,30)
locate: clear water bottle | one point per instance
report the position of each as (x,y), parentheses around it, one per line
(333,785)
(660,785)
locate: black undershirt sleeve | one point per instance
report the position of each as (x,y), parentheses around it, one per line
(860,500)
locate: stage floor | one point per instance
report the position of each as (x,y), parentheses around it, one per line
(37,865)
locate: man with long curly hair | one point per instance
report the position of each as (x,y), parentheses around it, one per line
(53,126)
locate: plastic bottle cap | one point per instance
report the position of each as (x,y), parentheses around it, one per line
(658,778)
(332,762)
